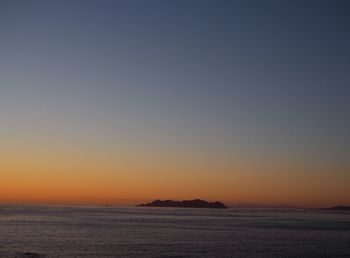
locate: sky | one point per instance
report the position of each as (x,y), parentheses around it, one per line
(246,102)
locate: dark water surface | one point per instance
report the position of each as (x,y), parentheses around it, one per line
(66,231)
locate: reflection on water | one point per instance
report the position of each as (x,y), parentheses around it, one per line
(38,231)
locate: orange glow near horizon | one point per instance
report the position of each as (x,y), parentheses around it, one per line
(61,176)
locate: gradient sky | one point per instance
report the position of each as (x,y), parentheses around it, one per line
(122,101)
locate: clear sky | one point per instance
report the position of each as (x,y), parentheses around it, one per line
(122,101)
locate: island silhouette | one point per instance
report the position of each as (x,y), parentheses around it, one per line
(196,203)
(338,208)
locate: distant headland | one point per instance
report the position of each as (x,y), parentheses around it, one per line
(338,208)
(197,203)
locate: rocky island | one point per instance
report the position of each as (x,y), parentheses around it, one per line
(197,203)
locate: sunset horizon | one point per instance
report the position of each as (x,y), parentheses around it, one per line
(128,113)
(107,102)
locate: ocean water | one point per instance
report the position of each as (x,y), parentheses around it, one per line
(67,231)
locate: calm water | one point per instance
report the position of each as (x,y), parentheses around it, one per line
(37,231)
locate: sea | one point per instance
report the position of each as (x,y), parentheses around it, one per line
(91,231)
